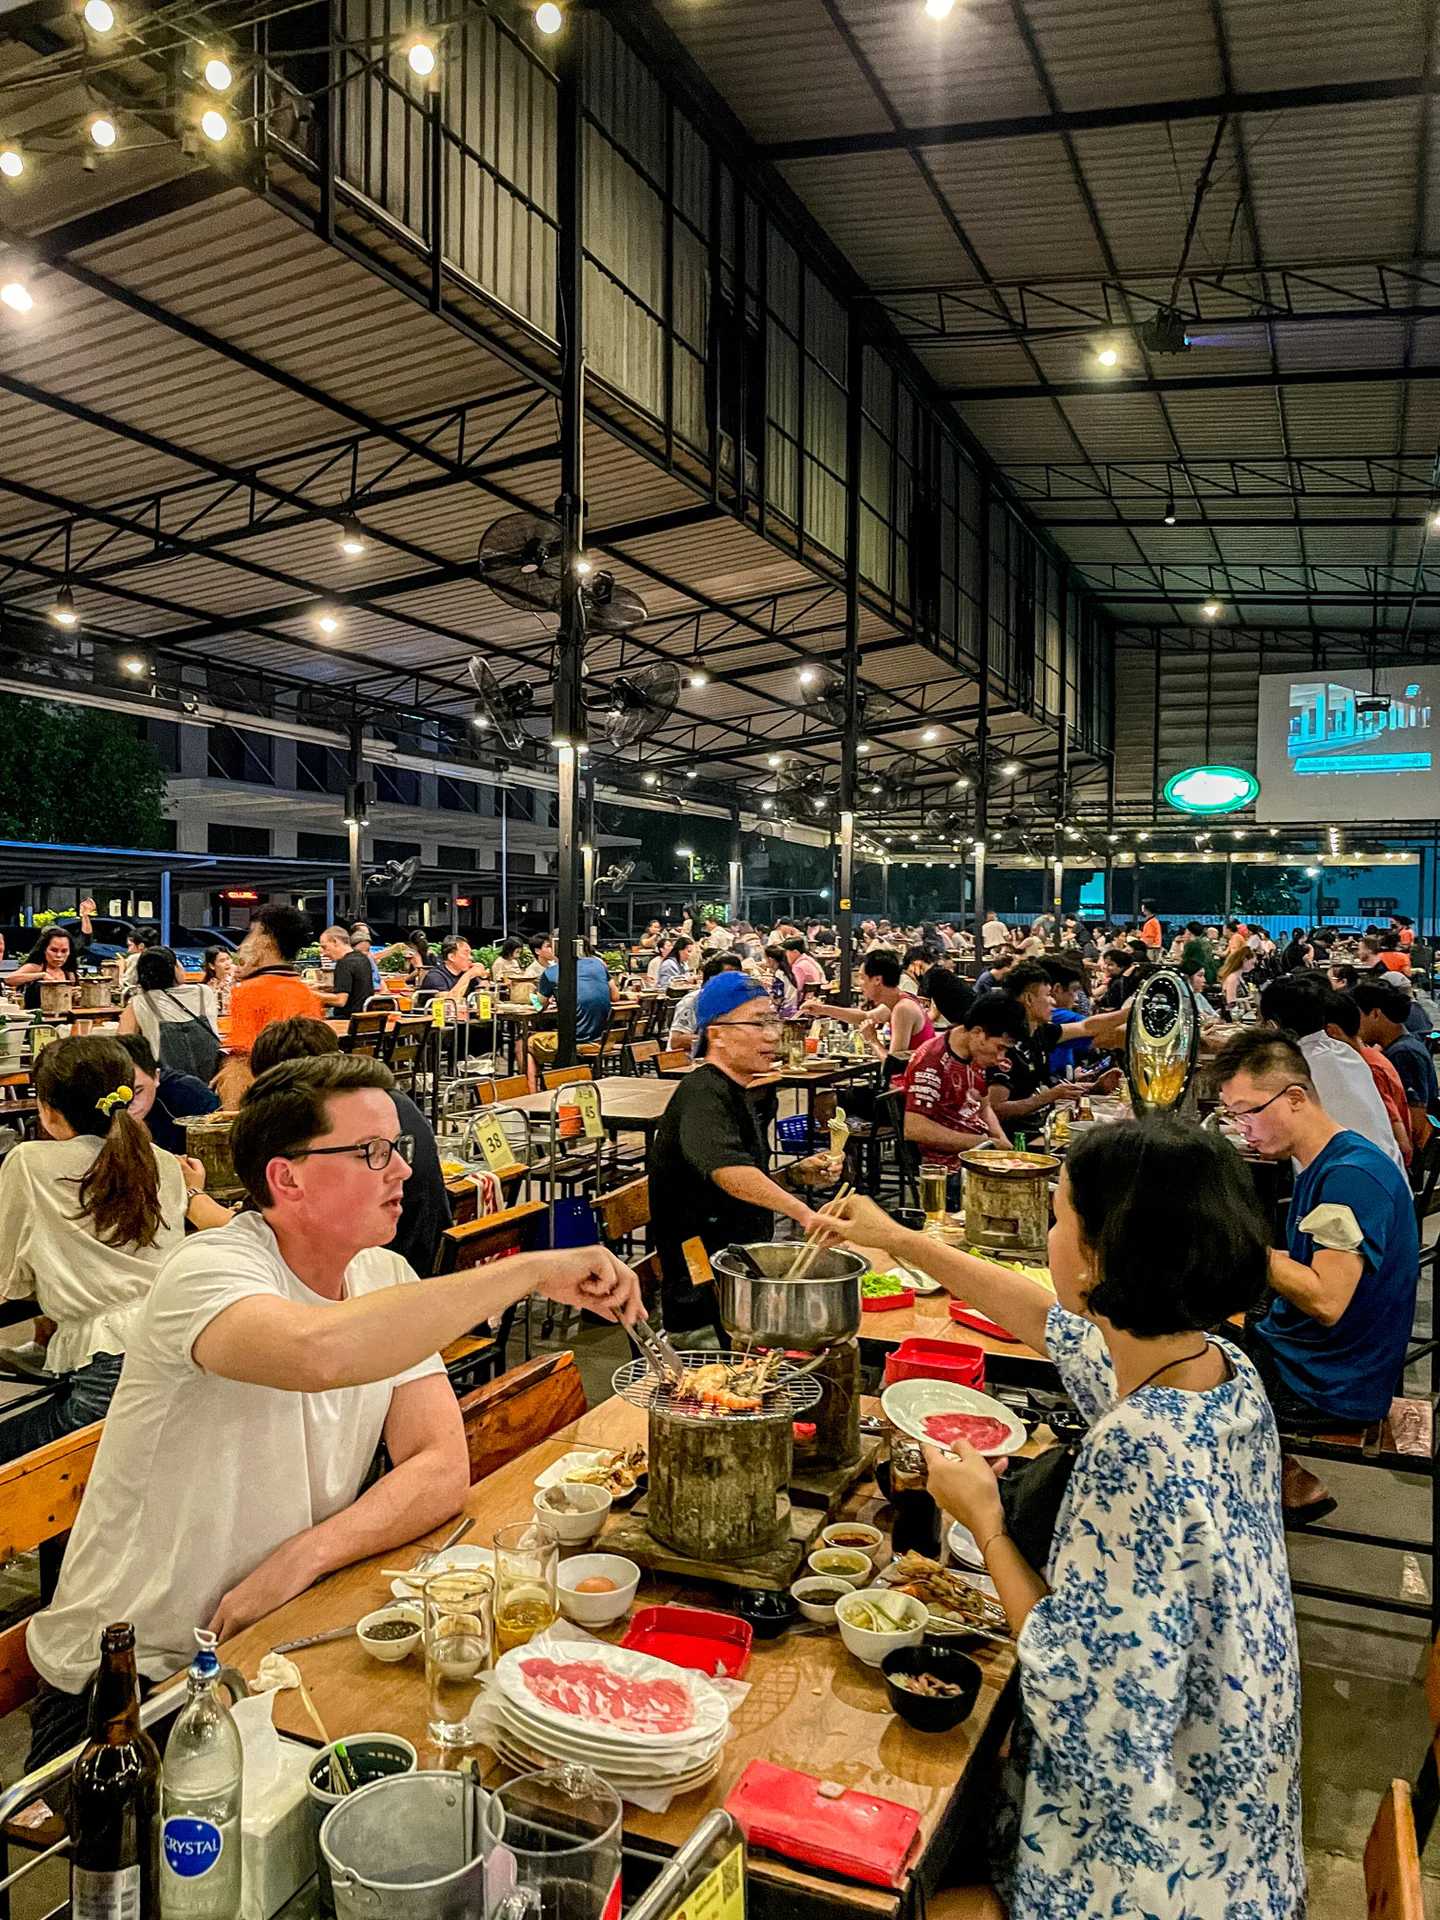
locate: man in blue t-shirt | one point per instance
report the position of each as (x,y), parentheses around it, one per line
(594,992)
(1332,1344)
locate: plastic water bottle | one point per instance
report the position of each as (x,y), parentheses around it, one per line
(200,1801)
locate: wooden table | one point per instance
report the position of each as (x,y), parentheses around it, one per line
(626,1106)
(811,1706)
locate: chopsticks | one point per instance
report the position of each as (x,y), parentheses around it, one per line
(813,1246)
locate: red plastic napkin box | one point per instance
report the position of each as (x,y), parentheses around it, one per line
(916,1359)
(853,1834)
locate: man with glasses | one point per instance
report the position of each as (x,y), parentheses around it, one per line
(1331,1345)
(709,1177)
(273,1357)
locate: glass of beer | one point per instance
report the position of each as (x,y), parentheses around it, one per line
(527,1557)
(457,1652)
(933,1186)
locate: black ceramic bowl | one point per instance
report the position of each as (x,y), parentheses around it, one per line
(769,1614)
(926,1713)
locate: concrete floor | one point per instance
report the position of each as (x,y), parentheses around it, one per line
(1365,1719)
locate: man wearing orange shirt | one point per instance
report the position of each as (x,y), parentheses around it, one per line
(1343,1023)
(1151,931)
(269,986)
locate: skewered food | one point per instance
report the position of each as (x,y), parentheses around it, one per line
(949,1596)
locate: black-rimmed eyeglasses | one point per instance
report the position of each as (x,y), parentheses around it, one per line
(1243,1114)
(376,1153)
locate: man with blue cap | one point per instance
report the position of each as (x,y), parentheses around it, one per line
(708,1164)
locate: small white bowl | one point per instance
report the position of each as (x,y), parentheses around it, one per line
(590,1506)
(597,1609)
(817,1594)
(842,1563)
(848,1540)
(390,1650)
(872,1647)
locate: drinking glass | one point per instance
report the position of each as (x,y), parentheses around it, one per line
(527,1557)
(457,1652)
(554,1847)
(933,1183)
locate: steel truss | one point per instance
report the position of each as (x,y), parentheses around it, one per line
(1062,308)
(1261,477)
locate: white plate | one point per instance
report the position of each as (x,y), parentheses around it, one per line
(526,1759)
(620,1763)
(454,1559)
(709,1709)
(963,1545)
(583,1457)
(910,1403)
(583,1745)
(917,1281)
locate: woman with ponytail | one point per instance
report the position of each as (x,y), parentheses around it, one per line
(86,1218)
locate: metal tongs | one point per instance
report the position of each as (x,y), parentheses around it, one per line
(658,1351)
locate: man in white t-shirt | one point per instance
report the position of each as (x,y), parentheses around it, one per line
(272,1358)
(994,933)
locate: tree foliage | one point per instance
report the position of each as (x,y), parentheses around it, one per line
(77,774)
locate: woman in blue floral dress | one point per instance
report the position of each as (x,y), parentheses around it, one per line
(1156,1765)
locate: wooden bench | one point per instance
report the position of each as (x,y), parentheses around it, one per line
(515,1412)
(1403,1442)
(480,1354)
(1393,1888)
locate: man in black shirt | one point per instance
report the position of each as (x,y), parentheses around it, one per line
(354,982)
(424,1201)
(457,970)
(708,1178)
(1023,1090)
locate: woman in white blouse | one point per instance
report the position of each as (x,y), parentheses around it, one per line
(160,1000)
(86,1218)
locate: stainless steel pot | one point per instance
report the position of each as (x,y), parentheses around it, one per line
(812,1313)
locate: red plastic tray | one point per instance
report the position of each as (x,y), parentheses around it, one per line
(916,1359)
(980,1322)
(692,1637)
(888,1302)
(855,1834)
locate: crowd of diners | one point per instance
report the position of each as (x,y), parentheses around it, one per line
(1158,1742)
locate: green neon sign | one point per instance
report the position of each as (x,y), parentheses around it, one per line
(1211,789)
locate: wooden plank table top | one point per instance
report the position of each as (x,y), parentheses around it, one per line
(811,1705)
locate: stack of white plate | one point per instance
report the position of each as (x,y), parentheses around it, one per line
(530,1728)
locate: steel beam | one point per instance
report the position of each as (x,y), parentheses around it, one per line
(1100,387)
(1142,113)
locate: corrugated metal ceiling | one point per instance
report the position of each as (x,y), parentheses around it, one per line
(1337,189)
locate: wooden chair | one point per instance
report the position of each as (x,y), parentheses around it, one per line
(1392,1860)
(514,1087)
(646,1019)
(366,1034)
(565,1077)
(518,1410)
(640,1057)
(408,1051)
(623,1211)
(39,1499)
(647,1272)
(479,1355)
(672,1063)
(616,1040)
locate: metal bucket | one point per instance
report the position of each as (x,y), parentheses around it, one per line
(94,992)
(816,1311)
(56,996)
(408,1848)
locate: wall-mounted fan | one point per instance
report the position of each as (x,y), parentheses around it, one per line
(805,795)
(616,877)
(521,559)
(394,879)
(637,704)
(827,696)
(501,709)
